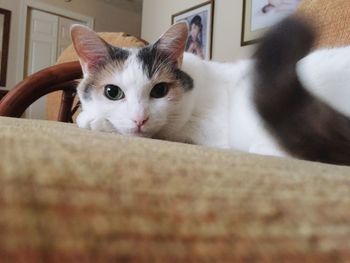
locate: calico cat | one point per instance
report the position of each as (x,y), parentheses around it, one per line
(276,103)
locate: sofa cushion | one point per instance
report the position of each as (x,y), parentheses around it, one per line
(72,195)
(331,19)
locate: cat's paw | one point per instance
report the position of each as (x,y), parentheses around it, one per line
(83,120)
(102,124)
(87,121)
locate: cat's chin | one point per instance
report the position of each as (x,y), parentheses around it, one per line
(135,133)
(131,132)
(140,134)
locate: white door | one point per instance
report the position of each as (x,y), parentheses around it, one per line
(42,52)
(49,35)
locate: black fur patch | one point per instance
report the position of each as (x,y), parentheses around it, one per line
(186,80)
(304,126)
(147,57)
(87,91)
(152,60)
(119,54)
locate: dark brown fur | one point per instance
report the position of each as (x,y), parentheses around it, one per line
(305,127)
(153,61)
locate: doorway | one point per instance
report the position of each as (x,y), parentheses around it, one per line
(47,35)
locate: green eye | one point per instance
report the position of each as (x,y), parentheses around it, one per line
(113,92)
(160,90)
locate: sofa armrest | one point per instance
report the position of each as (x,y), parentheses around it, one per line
(71,195)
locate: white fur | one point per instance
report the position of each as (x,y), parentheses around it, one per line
(223,100)
(326,74)
(219,111)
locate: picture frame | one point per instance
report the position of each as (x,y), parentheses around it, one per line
(259,15)
(200,21)
(5,21)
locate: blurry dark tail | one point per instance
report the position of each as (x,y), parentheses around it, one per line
(304,126)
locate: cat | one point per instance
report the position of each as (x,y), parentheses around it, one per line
(276,103)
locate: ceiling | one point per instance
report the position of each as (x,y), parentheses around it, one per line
(135,5)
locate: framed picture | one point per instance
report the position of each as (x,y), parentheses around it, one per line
(259,15)
(200,21)
(5,19)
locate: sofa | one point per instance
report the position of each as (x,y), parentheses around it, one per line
(73,195)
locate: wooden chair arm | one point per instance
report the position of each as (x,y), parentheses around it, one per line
(58,77)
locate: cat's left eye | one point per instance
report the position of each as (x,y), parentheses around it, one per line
(113,92)
(160,90)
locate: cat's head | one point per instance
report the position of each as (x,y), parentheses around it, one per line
(140,91)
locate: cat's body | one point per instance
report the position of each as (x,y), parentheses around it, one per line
(223,114)
(209,103)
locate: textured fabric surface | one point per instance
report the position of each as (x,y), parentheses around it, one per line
(331,19)
(119,39)
(71,195)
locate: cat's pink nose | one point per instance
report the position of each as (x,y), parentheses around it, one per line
(141,122)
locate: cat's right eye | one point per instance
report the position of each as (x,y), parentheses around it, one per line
(160,90)
(113,92)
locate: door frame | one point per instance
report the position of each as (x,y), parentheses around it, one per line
(25,5)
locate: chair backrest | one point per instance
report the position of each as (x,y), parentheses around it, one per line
(58,77)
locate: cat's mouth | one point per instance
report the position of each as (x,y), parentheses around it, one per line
(136,131)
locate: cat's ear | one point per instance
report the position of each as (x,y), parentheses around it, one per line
(173,42)
(91,49)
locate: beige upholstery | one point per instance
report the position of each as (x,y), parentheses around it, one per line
(118,39)
(72,195)
(331,19)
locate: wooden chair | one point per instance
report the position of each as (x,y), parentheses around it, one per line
(60,77)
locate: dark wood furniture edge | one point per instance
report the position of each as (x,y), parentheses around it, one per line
(5,46)
(3,92)
(67,100)
(58,77)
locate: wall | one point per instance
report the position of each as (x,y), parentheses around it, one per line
(107,18)
(156,18)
